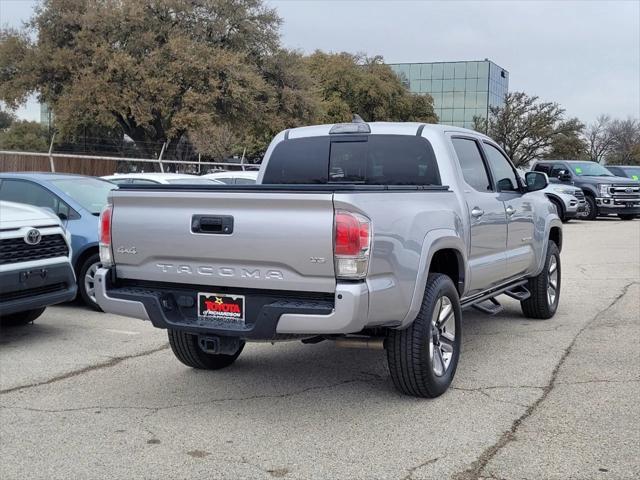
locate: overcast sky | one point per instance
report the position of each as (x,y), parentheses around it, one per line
(584,55)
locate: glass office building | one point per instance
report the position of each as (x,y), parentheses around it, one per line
(460,90)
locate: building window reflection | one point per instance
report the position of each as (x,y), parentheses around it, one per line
(460,90)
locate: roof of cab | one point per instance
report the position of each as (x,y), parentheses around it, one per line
(379,128)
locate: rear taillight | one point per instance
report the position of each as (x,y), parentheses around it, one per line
(352,244)
(105,236)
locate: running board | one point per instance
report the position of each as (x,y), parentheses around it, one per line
(512,287)
(519,293)
(490,306)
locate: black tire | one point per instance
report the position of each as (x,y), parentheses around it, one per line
(559,210)
(539,304)
(411,364)
(591,209)
(87,296)
(623,216)
(186,349)
(21,318)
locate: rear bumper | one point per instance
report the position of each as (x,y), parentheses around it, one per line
(32,288)
(614,205)
(269,314)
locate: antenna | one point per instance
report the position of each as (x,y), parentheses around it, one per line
(357,119)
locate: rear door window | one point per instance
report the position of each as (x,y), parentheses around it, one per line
(473,168)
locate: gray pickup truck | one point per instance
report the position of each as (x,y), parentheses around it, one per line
(369,235)
(605,193)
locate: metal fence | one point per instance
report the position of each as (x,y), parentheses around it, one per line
(95,165)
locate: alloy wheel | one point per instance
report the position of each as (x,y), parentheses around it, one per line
(552,288)
(443,335)
(89,281)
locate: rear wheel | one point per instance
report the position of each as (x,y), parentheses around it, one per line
(423,357)
(186,348)
(87,282)
(622,216)
(590,209)
(21,318)
(545,288)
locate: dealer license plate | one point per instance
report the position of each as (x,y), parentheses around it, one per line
(217,306)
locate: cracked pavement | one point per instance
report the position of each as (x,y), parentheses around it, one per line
(89,395)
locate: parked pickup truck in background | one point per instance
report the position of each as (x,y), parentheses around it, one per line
(605,193)
(366,234)
(629,171)
(35,263)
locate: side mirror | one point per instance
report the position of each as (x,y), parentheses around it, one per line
(536,181)
(63,216)
(564,176)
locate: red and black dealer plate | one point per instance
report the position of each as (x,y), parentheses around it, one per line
(216,306)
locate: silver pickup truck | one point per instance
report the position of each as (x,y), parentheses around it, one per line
(372,235)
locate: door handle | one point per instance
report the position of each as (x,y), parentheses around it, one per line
(510,210)
(217,225)
(477,212)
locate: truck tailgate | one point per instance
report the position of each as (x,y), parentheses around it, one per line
(277,241)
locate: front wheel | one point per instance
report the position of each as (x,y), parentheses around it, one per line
(20,318)
(590,208)
(423,357)
(545,287)
(186,348)
(623,216)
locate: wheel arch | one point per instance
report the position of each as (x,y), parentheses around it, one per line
(555,199)
(445,246)
(86,252)
(555,234)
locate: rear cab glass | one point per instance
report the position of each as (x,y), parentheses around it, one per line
(354,159)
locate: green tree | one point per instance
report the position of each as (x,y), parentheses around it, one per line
(6,119)
(24,136)
(159,70)
(569,144)
(599,138)
(625,149)
(526,128)
(348,84)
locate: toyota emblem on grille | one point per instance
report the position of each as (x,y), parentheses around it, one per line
(628,190)
(33,237)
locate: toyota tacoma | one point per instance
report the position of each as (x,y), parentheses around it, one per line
(365,234)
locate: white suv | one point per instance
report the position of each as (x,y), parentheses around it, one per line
(35,263)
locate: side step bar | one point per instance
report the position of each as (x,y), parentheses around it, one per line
(487,303)
(519,293)
(490,306)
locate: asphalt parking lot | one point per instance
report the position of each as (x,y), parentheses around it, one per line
(89,395)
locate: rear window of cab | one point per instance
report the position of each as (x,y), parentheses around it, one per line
(353,159)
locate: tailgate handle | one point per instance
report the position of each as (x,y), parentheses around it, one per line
(220,225)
